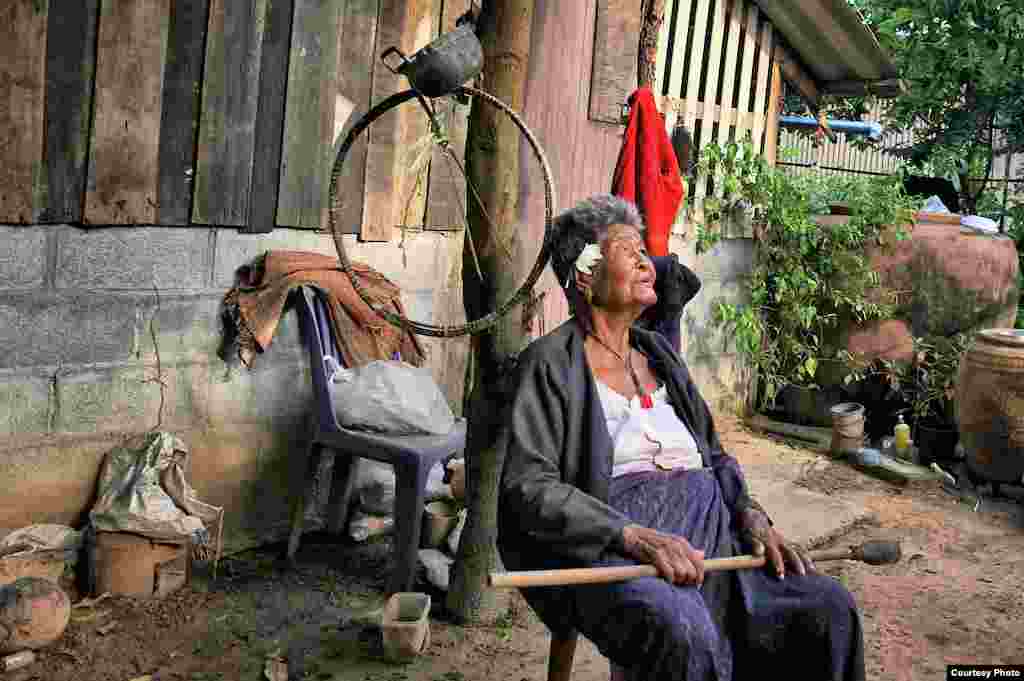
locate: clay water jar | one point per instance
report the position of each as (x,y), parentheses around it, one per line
(990,405)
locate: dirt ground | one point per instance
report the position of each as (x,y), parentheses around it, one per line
(955,597)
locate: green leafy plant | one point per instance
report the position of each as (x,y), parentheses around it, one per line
(962,62)
(808,279)
(926,383)
(1015,219)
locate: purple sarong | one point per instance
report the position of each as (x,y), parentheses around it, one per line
(740,625)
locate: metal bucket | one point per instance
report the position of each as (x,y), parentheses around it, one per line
(442,66)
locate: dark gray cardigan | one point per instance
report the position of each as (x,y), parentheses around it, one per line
(553,509)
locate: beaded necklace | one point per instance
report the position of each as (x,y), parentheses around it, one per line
(645,400)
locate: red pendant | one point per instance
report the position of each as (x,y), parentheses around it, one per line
(646,402)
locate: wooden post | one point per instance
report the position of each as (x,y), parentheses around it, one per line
(492,162)
(650,29)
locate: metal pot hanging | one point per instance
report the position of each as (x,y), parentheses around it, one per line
(442,66)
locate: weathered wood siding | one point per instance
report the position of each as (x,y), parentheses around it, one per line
(582,152)
(716,75)
(214,112)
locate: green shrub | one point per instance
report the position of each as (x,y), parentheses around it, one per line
(808,280)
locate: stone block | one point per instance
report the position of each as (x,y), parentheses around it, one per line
(254,471)
(47,330)
(22,256)
(278,397)
(127,399)
(728,260)
(701,334)
(423,262)
(134,258)
(24,404)
(419,305)
(50,481)
(234,249)
(187,328)
(723,381)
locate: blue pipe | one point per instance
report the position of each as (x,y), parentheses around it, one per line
(871,130)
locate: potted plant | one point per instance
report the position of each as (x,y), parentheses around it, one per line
(931,393)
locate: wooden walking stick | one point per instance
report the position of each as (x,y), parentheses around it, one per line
(872,553)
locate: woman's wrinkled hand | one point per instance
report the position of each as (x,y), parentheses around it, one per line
(766,541)
(677,561)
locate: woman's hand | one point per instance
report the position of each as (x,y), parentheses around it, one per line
(677,561)
(764,539)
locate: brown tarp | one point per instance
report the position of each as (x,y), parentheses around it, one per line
(255,305)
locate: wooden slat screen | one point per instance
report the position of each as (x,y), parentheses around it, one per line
(717,77)
(616,47)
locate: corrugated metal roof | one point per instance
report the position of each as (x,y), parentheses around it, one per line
(833,42)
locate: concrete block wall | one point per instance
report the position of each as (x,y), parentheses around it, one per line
(78,366)
(722,375)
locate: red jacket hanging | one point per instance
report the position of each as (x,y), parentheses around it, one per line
(647,172)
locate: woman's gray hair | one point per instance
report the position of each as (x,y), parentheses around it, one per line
(587,223)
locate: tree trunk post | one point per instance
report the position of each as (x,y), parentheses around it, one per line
(492,165)
(650,28)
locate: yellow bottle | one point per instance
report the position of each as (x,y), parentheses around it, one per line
(902,433)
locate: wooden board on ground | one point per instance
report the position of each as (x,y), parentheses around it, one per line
(309,115)
(22,87)
(123,162)
(267,142)
(180,110)
(227,128)
(70,69)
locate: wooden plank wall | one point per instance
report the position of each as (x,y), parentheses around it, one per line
(268,135)
(183,79)
(582,153)
(447,188)
(213,112)
(22,87)
(228,124)
(123,158)
(70,69)
(356,58)
(309,114)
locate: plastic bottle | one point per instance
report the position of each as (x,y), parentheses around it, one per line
(902,435)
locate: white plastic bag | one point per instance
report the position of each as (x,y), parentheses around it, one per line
(391,397)
(362,526)
(375,486)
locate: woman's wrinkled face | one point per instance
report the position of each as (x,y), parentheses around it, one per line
(626,274)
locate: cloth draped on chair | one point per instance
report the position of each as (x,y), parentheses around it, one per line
(253,308)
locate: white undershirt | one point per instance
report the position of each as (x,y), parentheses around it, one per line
(636,432)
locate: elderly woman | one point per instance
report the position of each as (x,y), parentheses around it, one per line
(611,457)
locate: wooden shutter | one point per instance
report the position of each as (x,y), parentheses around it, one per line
(616,50)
